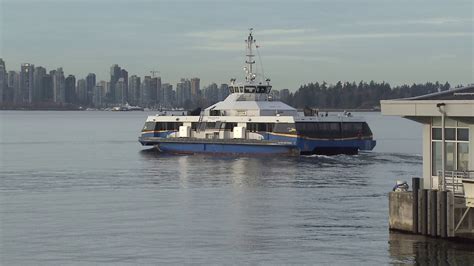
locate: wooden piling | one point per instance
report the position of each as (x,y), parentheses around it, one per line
(450,214)
(415,186)
(422,211)
(442,214)
(432,213)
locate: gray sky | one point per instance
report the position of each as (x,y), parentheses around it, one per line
(300,41)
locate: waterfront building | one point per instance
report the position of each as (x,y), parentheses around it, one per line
(223,92)
(120,91)
(3,80)
(14,85)
(47,88)
(124,76)
(98,92)
(447,120)
(38,94)
(115,73)
(134,90)
(59,86)
(146,91)
(70,89)
(90,85)
(211,93)
(285,95)
(195,89)
(155,90)
(168,95)
(26,83)
(81,91)
(183,92)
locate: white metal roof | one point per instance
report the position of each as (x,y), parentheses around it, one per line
(233,102)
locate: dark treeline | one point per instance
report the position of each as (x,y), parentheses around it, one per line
(356,96)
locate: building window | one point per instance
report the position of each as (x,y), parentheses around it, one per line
(457,146)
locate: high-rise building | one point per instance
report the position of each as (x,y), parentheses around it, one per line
(223,92)
(195,90)
(81,91)
(47,88)
(26,83)
(168,95)
(156,91)
(146,91)
(3,80)
(40,73)
(124,75)
(285,95)
(115,73)
(70,89)
(183,92)
(120,91)
(97,96)
(90,85)
(14,85)
(59,86)
(105,89)
(211,93)
(134,90)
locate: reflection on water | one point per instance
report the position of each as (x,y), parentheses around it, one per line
(103,198)
(420,250)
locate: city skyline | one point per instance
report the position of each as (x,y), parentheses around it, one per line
(36,86)
(402,42)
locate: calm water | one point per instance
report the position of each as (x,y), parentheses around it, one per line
(76,187)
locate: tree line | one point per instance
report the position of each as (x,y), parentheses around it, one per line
(350,95)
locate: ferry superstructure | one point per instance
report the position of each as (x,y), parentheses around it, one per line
(248,121)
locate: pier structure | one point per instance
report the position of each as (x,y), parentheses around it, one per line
(441,203)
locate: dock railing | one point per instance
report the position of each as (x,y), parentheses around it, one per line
(452,181)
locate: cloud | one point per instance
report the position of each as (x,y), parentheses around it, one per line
(422,21)
(277,38)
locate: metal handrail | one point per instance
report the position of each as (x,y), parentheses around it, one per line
(452,180)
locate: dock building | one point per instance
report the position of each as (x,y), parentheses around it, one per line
(442,201)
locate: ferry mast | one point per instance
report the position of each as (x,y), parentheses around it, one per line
(250,76)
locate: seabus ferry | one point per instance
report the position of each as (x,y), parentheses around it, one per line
(248,121)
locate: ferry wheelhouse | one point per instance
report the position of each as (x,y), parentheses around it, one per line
(248,121)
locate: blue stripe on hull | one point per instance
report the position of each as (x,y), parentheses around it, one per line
(226,148)
(300,145)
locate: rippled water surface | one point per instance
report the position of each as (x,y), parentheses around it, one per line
(76,187)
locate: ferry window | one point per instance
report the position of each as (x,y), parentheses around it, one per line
(286,128)
(231,89)
(249,89)
(149,126)
(352,130)
(261,89)
(230,126)
(215,112)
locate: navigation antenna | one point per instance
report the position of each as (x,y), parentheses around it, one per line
(260,60)
(250,61)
